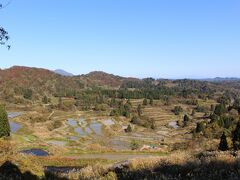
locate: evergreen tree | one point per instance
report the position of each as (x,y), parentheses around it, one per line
(139,110)
(186,119)
(4,124)
(145,102)
(60,103)
(220,109)
(129,129)
(27,94)
(151,101)
(200,127)
(223,146)
(236,137)
(45,99)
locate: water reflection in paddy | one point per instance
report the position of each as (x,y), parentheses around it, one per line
(12,115)
(35,152)
(97,127)
(14,126)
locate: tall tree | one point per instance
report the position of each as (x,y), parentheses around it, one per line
(236,137)
(4,124)
(186,119)
(223,146)
(145,102)
(139,110)
(151,101)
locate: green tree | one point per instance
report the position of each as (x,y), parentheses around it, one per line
(27,94)
(193,112)
(139,110)
(236,137)
(186,119)
(60,103)
(200,127)
(145,102)
(220,109)
(223,146)
(151,101)
(3,35)
(177,110)
(129,129)
(45,99)
(4,124)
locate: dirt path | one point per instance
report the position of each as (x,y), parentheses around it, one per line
(117,157)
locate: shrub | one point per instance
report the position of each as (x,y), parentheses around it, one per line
(27,94)
(220,109)
(129,129)
(177,110)
(200,127)
(186,120)
(145,102)
(134,145)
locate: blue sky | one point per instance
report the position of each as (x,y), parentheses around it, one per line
(158,38)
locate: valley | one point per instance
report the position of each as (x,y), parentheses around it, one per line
(64,128)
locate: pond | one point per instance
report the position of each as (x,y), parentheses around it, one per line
(12,115)
(14,126)
(72,122)
(173,125)
(80,131)
(35,152)
(97,127)
(73,138)
(108,122)
(88,130)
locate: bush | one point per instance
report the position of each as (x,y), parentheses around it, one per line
(27,94)
(177,110)
(136,120)
(220,109)
(186,120)
(200,127)
(134,145)
(129,129)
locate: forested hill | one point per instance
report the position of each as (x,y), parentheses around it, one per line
(19,81)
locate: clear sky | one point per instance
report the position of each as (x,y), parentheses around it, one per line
(158,38)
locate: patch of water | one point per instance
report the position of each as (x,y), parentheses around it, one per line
(80,131)
(35,152)
(72,122)
(73,138)
(14,127)
(12,115)
(97,127)
(88,130)
(108,122)
(58,143)
(173,124)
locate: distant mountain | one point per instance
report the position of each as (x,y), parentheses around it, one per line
(221,79)
(104,79)
(63,73)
